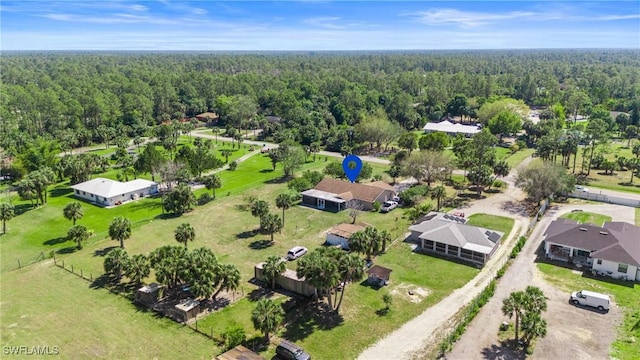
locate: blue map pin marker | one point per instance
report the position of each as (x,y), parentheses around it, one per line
(352,165)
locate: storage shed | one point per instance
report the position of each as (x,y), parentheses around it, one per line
(188,309)
(239,353)
(378,275)
(149,295)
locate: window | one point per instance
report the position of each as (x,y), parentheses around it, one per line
(91,195)
(599,261)
(581,253)
(622,268)
(77,191)
(84,193)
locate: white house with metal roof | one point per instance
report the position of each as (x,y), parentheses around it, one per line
(450,235)
(107,192)
(451,128)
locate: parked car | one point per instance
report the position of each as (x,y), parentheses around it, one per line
(290,351)
(590,298)
(296,252)
(388,206)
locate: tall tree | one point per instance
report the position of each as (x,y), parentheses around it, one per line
(179,200)
(409,141)
(321,271)
(259,209)
(73,211)
(351,268)
(212,182)
(428,166)
(514,305)
(78,234)
(438,193)
(120,230)
(284,202)
(7,211)
(270,224)
(267,316)
(540,181)
(273,267)
(185,233)
(228,276)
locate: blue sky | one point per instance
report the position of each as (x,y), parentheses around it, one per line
(316,25)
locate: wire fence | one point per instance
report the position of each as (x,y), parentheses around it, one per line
(19,263)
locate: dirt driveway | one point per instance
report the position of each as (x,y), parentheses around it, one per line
(572,332)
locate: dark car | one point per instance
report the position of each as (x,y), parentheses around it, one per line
(290,351)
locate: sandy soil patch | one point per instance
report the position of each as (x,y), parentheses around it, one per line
(410,292)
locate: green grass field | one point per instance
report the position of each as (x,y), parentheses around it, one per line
(628,297)
(493,222)
(587,217)
(619,180)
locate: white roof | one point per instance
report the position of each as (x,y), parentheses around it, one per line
(449,127)
(109,188)
(187,305)
(319,194)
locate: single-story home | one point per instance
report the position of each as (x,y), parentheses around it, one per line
(613,248)
(109,192)
(340,234)
(449,235)
(239,353)
(334,195)
(450,128)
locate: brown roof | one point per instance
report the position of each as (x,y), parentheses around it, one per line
(239,353)
(382,185)
(346,230)
(363,192)
(210,115)
(379,271)
(614,241)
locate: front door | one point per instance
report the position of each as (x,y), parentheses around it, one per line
(320,203)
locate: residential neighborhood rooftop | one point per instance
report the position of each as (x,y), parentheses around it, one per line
(108,188)
(449,127)
(365,192)
(346,230)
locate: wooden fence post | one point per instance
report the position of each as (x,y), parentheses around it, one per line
(19,265)
(72,268)
(63,264)
(82,276)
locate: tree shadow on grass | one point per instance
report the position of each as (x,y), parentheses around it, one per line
(260,293)
(383,312)
(20,209)
(278,180)
(258,343)
(57,192)
(260,244)
(264,171)
(167,216)
(306,318)
(503,351)
(628,184)
(67,250)
(56,241)
(105,251)
(247,234)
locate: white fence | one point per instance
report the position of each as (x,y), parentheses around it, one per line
(604,198)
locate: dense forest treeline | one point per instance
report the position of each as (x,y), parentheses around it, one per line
(76,99)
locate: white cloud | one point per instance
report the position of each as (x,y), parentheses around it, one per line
(327,22)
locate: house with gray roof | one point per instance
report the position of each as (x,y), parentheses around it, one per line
(450,128)
(613,248)
(107,192)
(450,235)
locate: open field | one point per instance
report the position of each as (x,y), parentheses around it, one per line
(587,217)
(625,295)
(48,306)
(638,216)
(493,222)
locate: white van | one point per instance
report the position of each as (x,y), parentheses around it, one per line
(296,252)
(590,298)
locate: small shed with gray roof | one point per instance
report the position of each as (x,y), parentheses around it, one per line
(450,235)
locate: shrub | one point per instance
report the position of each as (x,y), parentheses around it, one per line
(204,198)
(413,195)
(498,184)
(233,336)
(377,177)
(233,165)
(376,206)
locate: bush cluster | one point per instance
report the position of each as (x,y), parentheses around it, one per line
(518,247)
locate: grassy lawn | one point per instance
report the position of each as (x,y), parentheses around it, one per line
(515,159)
(47,306)
(627,297)
(619,180)
(638,216)
(493,222)
(587,217)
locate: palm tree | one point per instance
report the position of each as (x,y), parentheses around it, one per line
(386,237)
(216,131)
(120,230)
(73,211)
(7,212)
(229,278)
(270,224)
(226,153)
(366,242)
(213,182)
(115,263)
(273,267)
(514,305)
(438,193)
(284,202)
(351,269)
(79,234)
(533,326)
(267,317)
(138,268)
(321,271)
(536,302)
(185,233)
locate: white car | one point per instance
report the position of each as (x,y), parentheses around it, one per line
(388,206)
(296,252)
